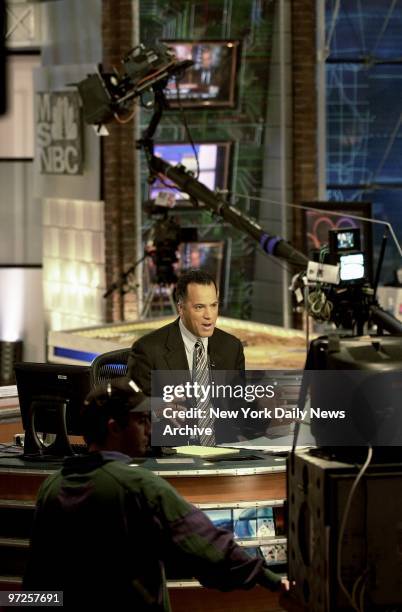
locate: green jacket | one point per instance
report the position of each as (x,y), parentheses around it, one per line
(104,531)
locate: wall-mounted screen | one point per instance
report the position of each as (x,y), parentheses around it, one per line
(207,256)
(211,81)
(213,159)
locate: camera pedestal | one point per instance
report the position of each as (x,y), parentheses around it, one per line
(159,297)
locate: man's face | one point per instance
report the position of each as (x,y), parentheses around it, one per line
(199,310)
(135,438)
(206,60)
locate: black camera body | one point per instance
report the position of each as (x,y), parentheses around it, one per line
(107,94)
(140,63)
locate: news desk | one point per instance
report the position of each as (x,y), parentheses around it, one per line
(209,485)
(265,346)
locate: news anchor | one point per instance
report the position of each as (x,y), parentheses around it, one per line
(192,343)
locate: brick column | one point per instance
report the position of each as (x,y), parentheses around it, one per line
(118,178)
(305,182)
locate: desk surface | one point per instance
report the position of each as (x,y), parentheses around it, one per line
(199,482)
(165,466)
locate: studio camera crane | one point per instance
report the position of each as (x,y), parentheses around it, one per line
(146,71)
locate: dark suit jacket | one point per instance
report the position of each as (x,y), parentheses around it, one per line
(164,349)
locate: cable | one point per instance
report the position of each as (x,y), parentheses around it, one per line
(361,599)
(342,531)
(127,119)
(332,212)
(359,604)
(360,582)
(307,319)
(160,176)
(187,129)
(154,74)
(318,305)
(168,185)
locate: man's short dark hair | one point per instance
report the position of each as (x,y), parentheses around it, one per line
(199,277)
(112,400)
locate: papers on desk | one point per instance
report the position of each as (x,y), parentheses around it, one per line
(206,452)
(9,398)
(8,391)
(174,460)
(281,444)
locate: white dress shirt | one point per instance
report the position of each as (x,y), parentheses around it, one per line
(189,343)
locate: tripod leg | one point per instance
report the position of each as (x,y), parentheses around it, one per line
(171,301)
(148,302)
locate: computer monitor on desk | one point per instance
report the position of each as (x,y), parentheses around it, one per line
(51,397)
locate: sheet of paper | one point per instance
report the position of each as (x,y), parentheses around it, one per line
(276,445)
(170,460)
(205,451)
(8,391)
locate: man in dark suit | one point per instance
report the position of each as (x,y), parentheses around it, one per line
(172,347)
(210,78)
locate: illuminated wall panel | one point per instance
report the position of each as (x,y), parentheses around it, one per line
(73,263)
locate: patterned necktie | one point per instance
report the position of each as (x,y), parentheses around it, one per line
(201,376)
(205,77)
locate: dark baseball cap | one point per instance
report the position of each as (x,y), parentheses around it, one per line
(123,392)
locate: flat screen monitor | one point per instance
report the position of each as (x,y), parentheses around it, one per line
(211,81)
(51,397)
(208,256)
(351,267)
(213,159)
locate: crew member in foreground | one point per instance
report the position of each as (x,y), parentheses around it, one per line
(104,528)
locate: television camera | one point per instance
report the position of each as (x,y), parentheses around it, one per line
(166,240)
(165,237)
(109,95)
(335,286)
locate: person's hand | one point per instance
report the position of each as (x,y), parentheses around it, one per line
(287,600)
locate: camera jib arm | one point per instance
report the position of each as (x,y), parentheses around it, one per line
(273,245)
(104,96)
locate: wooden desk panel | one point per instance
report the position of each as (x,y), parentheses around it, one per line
(216,489)
(199,599)
(21,485)
(8,429)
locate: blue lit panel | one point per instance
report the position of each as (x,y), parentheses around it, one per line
(74,354)
(364,113)
(364,137)
(364,27)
